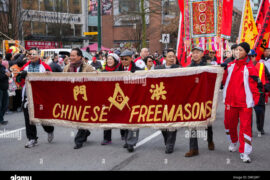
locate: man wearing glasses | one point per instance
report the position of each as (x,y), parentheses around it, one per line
(33,65)
(131,136)
(213,57)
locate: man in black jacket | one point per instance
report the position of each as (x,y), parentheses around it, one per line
(4,75)
(131,136)
(169,134)
(54,65)
(197,54)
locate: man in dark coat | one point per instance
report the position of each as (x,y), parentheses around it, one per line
(197,54)
(131,136)
(4,75)
(169,134)
(54,65)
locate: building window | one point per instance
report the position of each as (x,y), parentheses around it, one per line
(126,6)
(75,6)
(30,4)
(46,5)
(26,28)
(61,6)
(78,30)
(4,5)
(53,29)
(67,30)
(39,28)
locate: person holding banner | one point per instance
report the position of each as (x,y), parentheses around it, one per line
(77,65)
(242,91)
(34,65)
(264,77)
(112,64)
(4,75)
(169,135)
(197,55)
(131,136)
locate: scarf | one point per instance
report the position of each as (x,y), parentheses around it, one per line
(73,66)
(107,68)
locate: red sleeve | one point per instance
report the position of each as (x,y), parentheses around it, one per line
(47,67)
(255,85)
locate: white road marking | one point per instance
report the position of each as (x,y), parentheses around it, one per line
(10,132)
(145,140)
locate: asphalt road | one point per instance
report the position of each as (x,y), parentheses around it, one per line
(149,155)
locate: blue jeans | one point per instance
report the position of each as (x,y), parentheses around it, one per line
(3,103)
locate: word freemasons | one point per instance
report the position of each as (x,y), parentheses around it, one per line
(168,98)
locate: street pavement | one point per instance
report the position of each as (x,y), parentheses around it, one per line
(149,154)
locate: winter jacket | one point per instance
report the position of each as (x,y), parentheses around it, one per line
(242,87)
(3,78)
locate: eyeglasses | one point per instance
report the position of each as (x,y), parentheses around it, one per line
(124,59)
(212,53)
(32,54)
(253,55)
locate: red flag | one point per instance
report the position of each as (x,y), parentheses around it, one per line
(261,13)
(263,37)
(181,52)
(227,12)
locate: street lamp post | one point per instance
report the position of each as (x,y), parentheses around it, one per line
(99,25)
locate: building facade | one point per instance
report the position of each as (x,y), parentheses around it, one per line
(62,21)
(121,22)
(255,7)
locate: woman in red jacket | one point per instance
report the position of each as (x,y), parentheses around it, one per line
(241,93)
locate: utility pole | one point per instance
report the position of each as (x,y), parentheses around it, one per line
(99,25)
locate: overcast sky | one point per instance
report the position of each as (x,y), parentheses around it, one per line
(238,4)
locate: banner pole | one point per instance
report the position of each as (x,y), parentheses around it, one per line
(242,18)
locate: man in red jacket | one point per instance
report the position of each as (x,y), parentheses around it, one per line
(241,93)
(34,65)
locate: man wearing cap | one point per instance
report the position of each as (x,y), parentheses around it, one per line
(96,64)
(242,91)
(197,54)
(264,77)
(131,136)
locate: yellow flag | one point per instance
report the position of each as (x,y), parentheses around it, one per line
(249,30)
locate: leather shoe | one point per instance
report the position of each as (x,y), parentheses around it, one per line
(192,153)
(130,148)
(211,146)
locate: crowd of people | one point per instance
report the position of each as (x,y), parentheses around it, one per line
(245,85)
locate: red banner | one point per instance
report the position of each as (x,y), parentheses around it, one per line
(181,51)
(263,37)
(160,99)
(261,13)
(227,19)
(203,20)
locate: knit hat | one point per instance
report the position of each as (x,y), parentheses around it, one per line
(115,56)
(246,46)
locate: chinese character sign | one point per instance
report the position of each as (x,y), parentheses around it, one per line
(159,99)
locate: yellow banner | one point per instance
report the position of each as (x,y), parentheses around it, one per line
(249,30)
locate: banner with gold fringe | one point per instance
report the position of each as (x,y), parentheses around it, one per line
(162,99)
